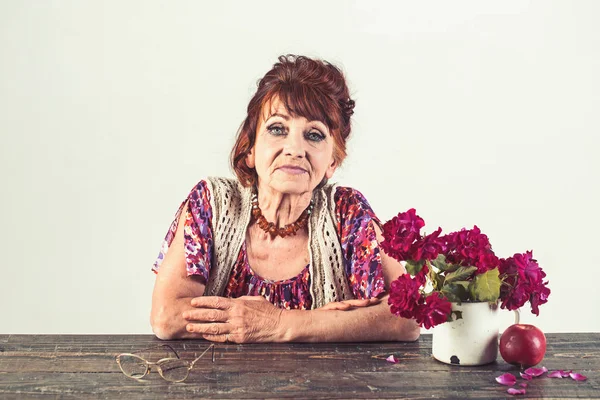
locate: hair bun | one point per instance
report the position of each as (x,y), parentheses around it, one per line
(348,108)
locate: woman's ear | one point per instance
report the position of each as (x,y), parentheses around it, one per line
(250,159)
(331,169)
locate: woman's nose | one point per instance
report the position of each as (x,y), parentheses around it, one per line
(294,145)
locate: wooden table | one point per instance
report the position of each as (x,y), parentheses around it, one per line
(83,366)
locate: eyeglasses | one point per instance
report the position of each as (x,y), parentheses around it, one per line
(171,369)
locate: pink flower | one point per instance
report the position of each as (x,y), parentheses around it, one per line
(400,233)
(470,247)
(427,248)
(538,295)
(523,281)
(421,277)
(486,260)
(404,296)
(513,298)
(508,267)
(528,268)
(432,259)
(434,312)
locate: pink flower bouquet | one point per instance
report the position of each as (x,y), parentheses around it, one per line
(458,267)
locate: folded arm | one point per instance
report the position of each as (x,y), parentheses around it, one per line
(180,311)
(253,319)
(173,291)
(360,324)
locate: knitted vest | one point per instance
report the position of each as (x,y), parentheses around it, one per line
(231,206)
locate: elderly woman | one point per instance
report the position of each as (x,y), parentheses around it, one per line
(278,254)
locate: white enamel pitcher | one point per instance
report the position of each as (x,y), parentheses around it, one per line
(472,340)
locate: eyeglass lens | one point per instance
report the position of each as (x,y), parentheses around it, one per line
(174,369)
(133,366)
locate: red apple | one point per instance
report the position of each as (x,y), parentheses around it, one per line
(523,345)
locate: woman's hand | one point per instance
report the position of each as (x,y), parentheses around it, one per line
(247,319)
(350,304)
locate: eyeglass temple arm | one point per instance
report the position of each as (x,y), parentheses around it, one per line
(212,346)
(158,347)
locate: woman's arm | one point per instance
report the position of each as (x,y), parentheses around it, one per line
(174,290)
(364,324)
(254,319)
(371,323)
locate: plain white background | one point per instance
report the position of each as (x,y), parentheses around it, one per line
(473,112)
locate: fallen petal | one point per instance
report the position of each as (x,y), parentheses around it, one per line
(565,374)
(392,359)
(577,377)
(525,376)
(536,371)
(555,374)
(524,385)
(506,379)
(514,391)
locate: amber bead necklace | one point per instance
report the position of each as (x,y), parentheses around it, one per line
(271,228)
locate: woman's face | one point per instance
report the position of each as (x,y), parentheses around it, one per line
(291,154)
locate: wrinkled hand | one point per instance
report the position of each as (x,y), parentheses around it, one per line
(350,304)
(247,319)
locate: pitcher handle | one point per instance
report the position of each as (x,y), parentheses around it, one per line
(517,315)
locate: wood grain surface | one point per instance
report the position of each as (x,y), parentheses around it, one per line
(84,366)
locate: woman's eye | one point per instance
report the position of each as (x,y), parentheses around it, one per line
(315,136)
(276,130)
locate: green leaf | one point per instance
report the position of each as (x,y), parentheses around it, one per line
(464,284)
(451,268)
(440,262)
(413,267)
(460,274)
(438,280)
(486,286)
(454,315)
(455,292)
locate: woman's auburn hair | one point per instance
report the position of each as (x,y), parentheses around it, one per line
(309,88)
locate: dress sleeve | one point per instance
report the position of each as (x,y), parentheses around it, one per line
(197,232)
(360,249)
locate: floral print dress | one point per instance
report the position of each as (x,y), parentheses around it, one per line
(355,228)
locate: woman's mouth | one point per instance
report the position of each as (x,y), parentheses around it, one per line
(292,169)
